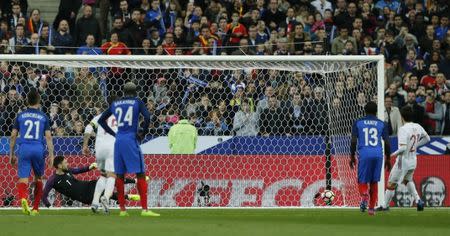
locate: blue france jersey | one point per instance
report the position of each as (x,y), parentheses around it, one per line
(370,131)
(127,111)
(31,124)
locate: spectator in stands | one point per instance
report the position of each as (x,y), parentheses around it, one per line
(243,48)
(16,13)
(145,50)
(273,16)
(429,80)
(203,109)
(123,12)
(264,101)
(392,116)
(89,48)
(136,26)
(322,5)
(442,29)
(297,38)
(338,45)
(87,87)
(33,47)
(446,110)
(68,11)
(442,85)
(397,99)
(34,23)
(19,41)
(297,112)
(434,113)
(216,124)
(155,17)
(56,118)
(236,30)
(13,103)
(62,40)
(245,121)
(87,25)
(124,34)
(419,112)
(45,37)
(272,121)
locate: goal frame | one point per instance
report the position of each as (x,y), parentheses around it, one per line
(379,59)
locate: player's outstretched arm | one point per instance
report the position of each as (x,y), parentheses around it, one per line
(87,134)
(51,149)
(48,187)
(12,144)
(102,122)
(80,170)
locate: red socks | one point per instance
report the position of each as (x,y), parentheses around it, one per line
(22,189)
(142,189)
(373,195)
(363,191)
(37,195)
(120,193)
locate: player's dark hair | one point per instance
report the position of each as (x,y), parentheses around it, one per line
(129,89)
(371,108)
(33,97)
(58,160)
(407,113)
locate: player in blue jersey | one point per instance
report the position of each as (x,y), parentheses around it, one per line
(368,133)
(31,126)
(128,156)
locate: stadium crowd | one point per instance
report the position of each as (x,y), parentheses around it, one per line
(413,36)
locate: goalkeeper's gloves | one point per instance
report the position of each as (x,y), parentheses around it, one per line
(93,166)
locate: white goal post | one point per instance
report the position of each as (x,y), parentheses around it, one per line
(243,169)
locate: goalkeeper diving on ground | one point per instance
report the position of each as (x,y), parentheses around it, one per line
(64,182)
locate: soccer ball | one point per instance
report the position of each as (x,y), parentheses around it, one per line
(327,196)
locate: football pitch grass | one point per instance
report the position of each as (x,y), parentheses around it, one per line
(232,222)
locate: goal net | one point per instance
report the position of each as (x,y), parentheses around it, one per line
(274,131)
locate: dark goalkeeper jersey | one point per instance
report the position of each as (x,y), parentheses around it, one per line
(71,187)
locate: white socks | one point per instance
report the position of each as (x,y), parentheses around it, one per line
(99,188)
(412,190)
(109,189)
(388,197)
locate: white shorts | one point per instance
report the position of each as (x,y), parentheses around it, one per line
(398,176)
(105,158)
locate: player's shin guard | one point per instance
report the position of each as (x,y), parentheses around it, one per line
(412,189)
(373,195)
(363,191)
(121,192)
(388,196)
(109,189)
(142,188)
(22,190)
(37,194)
(99,188)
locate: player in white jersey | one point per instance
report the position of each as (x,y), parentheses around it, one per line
(410,137)
(104,154)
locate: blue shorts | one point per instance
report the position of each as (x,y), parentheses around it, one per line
(128,156)
(369,169)
(31,156)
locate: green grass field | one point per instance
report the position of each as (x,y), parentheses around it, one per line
(233,222)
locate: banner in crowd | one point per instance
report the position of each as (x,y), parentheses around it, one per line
(249,181)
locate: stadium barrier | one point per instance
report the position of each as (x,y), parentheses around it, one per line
(248,180)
